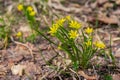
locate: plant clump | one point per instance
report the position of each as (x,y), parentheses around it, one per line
(81,48)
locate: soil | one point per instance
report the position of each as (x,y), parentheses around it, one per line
(40,60)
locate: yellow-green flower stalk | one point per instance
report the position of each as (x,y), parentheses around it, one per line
(59,47)
(88,43)
(20,7)
(100,45)
(75,24)
(73,34)
(89,30)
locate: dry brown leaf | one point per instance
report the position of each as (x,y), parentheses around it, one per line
(17,69)
(2,74)
(116,12)
(96,60)
(67,62)
(31,68)
(60,7)
(1,44)
(118,2)
(101,1)
(116,39)
(25,30)
(108,5)
(86,76)
(109,20)
(116,77)
(103,18)
(117,54)
(78,1)
(94,5)
(15,58)
(3,70)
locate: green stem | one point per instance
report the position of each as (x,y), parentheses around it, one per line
(45,37)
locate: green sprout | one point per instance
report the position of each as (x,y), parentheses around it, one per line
(29,13)
(4,31)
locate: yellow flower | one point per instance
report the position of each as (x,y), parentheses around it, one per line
(75,24)
(89,30)
(19,34)
(68,17)
(73,34)
(32,13)
(29,8)
(20,7)
(60,22)
(53,29)
(100,45)
(88,43)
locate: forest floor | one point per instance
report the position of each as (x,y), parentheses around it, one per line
(39,60)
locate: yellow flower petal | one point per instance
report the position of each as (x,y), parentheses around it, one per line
(29,8)
(75,24)
(19,34)
(60,22)
(100,45)
(73,34)
(53,29)
(68,17)
(89,30)
(32,13)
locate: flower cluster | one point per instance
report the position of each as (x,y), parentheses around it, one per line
(75,24)
(72,34)
(53,29)
(98,44)
(72,30)
(80,47)
(29,9)
(60,22)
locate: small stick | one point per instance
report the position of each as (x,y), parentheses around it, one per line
(22,45)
